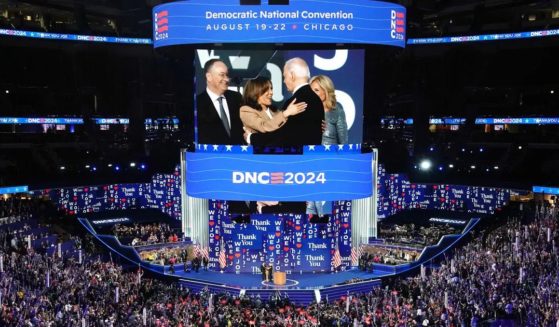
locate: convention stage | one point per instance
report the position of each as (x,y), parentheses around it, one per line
(301,287)
(294,281)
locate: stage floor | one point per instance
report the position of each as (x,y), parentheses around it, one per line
(294,281)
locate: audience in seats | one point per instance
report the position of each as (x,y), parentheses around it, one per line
(507,271)
(145,234)
(412,235)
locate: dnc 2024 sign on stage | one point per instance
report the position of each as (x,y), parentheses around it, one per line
(322,173)
(299,21)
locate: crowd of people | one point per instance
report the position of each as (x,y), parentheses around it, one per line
(510,272)
(382,254)
(166,255)
(145,234)
(14,209)
(414,235)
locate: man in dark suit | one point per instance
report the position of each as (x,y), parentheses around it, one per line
(218,118)
(301,129)
(263,271)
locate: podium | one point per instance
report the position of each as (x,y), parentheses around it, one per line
(280,277)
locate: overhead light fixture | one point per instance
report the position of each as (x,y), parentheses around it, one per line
(450,166)
(425,164)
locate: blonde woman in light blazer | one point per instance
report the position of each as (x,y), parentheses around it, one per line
(257,113)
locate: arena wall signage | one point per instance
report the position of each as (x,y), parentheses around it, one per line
(74,37)
(484,37)
(111,121)
(14,189)
(518,121)
(41,120)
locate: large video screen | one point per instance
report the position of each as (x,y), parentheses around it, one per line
(253,81)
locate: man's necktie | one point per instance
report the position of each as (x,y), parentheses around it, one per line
(224,120)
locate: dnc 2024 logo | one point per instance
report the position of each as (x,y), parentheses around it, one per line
(264,178)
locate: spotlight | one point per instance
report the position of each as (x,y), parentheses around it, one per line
(450,166)
(552,91)
(87,166)
(142,166)
(117,168)
(7,91)
(109,165)
(132,164)
(520,147)
(431,149)
(496,167)
(62,168)
(94,168)
(463,150)
(473,167)
(480,149)
(425,164)
(440,168)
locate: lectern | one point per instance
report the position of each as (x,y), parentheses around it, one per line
(279,277)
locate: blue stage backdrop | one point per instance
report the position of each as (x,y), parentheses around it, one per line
(288,241)
(162,193)
(395,193)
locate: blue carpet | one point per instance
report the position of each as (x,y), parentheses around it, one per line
(304,280)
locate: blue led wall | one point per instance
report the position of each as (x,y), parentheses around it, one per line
(162,193)
(395,193)
(288,241)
